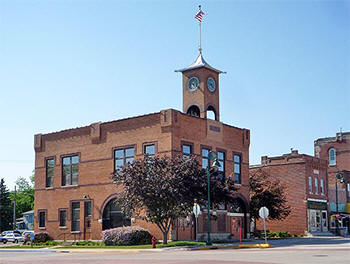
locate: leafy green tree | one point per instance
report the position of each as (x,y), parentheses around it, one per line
(161,190)
(24,196)
(269,192)
(5,207)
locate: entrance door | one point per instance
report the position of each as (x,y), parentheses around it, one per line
(87,220)
(324,221)
(236,225)
(318,221)
(312,221)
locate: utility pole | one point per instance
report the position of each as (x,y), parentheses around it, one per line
(14,211)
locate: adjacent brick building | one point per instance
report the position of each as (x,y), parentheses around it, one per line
(336,150)
(74,193)
(305,179)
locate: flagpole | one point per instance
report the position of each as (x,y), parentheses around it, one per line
(200,34)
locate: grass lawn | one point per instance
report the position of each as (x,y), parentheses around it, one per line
(170,244)
(25,246)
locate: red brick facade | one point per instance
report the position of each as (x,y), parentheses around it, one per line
(294,170)
(94,145)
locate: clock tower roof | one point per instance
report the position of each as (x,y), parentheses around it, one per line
(200,62)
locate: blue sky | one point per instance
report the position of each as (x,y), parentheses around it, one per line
(66,64)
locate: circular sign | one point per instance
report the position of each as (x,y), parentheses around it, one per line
(196,210)
(263,212)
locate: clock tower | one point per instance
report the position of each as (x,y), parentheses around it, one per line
(200,89)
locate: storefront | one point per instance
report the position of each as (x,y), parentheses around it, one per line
(317,214)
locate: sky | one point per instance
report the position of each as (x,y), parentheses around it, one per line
(65,64)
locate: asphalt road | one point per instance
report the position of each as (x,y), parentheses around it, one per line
(320,250)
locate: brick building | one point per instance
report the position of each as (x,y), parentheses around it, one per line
(336,150)
(305,179)
(74,194)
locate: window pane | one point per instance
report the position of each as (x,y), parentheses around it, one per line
(204,163)
(75,168)
(66,170)
(237,178)
(63,218)
(75,216)
(75,179)
(119,153)
(221,155)
(150,149)
(87,208)
(205,152)
(237,159)
(66,160)
(186,149)
(50,172)
(75,159)
(221,168)
(41,219)
(129,152)
(119,163)
(237,168)
(50,163)
(130,160)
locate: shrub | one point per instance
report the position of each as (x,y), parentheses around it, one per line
(126,236)
(279,234)
(88,243)
(41,237)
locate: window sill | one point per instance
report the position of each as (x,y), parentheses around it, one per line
(62,227)
(75,232)
(69,186)
(238,184)
(49,188)
(42,228)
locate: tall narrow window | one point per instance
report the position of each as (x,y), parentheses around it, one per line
(237,168)
(50,164)
(322,186)
(70,170)
(149,150)
(348,189)
(316,186)
(87,208)
(186,151)
(205,157)
(63,218)
(221,169)
(42,218)
(76,216)
(123,156)
(310,185)
(332,160)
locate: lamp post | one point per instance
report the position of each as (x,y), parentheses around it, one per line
(211,156)
(339,176)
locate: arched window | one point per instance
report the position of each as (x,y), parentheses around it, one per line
(193,111)
(113,216)
(331,156)
(211,113)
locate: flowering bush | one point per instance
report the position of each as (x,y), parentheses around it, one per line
(126,236)
(41,237)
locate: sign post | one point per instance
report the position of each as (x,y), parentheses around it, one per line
(264,213)
(196,211)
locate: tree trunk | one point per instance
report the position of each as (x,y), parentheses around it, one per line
(165,236)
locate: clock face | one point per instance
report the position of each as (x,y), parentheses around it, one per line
(211,84)
(193,84)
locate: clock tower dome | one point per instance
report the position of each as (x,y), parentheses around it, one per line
(200,89)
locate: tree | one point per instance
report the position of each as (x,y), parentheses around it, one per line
(268,192)
(24,196)
(5,207)
(161,190)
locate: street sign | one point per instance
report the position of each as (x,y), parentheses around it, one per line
(263,212)
(196,210)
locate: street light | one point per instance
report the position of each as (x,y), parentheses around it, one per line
(339,176)
(216,164)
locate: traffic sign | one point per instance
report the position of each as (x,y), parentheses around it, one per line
(196,209)
(263,212)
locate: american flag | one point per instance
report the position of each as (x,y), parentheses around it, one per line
(199,15)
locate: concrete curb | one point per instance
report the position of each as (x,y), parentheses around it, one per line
(262,245)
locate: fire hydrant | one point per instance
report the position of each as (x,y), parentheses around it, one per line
(154,241)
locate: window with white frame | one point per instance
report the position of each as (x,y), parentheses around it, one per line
(322,186)
(348,189)
(316,186)
(331,156)
(310,185)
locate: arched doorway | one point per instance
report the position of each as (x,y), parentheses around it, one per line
(113,216)
(237,209)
